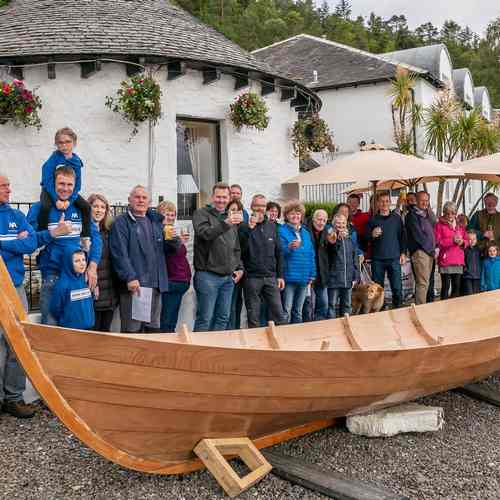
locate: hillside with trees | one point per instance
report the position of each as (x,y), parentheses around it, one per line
(257,23)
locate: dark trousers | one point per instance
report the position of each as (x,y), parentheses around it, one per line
(393,269)
(471,286)
(234,322)
(448,280)
(80,203)
(103,320)
(258,290)
(170,305)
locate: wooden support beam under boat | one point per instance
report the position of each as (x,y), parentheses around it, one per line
(350,334)
(211,452)
(325,482)
(210,75)
(176,69)
(272,335)
(417,323)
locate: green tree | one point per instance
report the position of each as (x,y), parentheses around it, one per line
(343,10)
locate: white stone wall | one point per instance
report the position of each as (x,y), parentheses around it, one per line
(357,114)
(259,161)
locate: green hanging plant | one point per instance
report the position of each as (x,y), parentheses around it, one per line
(311,134)
(18,105)
(249,110)
(137,100)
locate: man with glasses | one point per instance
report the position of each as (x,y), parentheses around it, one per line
(263,261)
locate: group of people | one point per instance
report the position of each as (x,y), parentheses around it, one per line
(271,259)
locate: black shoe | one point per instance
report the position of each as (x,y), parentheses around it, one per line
(18,409)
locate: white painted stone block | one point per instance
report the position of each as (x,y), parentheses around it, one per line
(411,417)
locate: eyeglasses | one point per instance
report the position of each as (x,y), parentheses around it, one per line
(64,142)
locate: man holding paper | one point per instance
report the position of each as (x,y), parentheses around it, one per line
(138,252)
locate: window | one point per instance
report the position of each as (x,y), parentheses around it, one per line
(198,164)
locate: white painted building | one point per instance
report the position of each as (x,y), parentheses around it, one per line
(355,87)
(200,73)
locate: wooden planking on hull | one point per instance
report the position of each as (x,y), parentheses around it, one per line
(72,388)
(127,350)
(277,387)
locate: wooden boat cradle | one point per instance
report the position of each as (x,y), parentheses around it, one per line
(145,401)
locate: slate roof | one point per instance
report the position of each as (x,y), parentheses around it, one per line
(459,76)
(30,28)
(428,58)
(337,65)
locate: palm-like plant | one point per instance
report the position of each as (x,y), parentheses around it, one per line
(406,114)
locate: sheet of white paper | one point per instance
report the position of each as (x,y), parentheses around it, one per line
(141,305)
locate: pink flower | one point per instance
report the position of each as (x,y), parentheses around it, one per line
(130,91)
(28,110)
(18,83)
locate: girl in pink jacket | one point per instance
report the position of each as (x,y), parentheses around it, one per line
(451,240)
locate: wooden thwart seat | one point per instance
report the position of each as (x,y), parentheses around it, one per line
(211,452)
(350,334)
(417,323)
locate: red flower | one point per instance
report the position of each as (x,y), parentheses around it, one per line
(28,110)
(6,89)
(130,90)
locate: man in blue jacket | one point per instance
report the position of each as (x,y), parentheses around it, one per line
(64,231)
(16,239)
(138,253)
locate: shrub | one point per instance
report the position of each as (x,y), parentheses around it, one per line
(137,100)
(249,110)
(19,105)
(312,206)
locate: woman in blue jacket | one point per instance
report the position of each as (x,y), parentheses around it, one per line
(299,260)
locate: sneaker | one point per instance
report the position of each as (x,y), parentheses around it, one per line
(85,244)
(18,409)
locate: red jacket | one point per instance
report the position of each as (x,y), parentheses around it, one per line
(359,221)
(450,254)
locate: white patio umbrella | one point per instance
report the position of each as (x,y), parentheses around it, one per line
(388,169)
(486,168)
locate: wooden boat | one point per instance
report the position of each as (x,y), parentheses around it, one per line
(145,401)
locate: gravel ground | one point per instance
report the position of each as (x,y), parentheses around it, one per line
(40,459)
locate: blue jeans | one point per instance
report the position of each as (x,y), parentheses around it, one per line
(321,308)
(48,282)
(344,297)
(170,305)
(12,377)
(213,301)
(294,296)
(393,269)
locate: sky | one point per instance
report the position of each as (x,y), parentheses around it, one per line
(474,13)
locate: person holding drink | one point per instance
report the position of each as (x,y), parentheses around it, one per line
(178,269)
(451,240)
(299,260)
(217,260)
(388,239)
(486,222)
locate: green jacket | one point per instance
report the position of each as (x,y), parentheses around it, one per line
(480,223)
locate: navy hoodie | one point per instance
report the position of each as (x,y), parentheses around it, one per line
(57,159)
(72,304)
(12,249)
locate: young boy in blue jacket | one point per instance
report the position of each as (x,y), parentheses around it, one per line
(490,275)
(65,141)
(72,304)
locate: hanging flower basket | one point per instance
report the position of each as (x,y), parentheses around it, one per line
(311,134)
(137,100)
(249,110)
(18,105)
